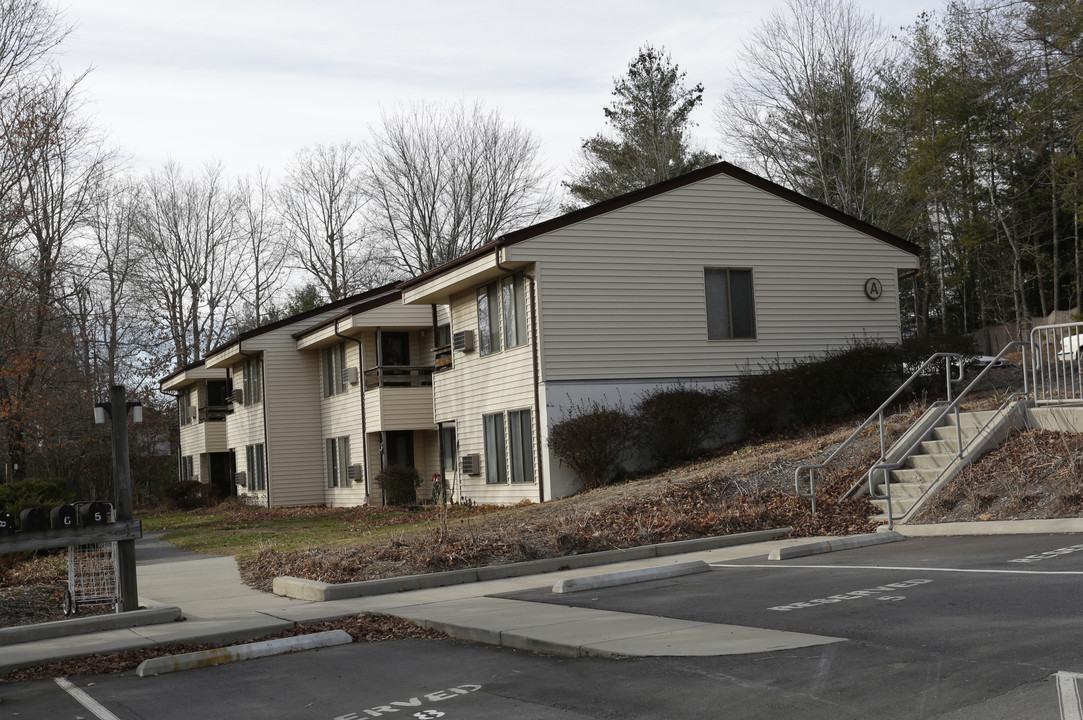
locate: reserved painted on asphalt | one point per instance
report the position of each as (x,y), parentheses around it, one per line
(414,705)
(854,595)
(1049,554)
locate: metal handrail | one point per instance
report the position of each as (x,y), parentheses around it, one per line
(878,413)
(953,406)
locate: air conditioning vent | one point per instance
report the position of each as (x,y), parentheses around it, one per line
(349,376)
(238,397)
(241,478)
(353,473)
(471,464)
(463,340)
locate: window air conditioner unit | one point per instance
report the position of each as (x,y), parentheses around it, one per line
(463,340)
(349,376)
(241,478)
(238,397)
(471,464)
(353,473)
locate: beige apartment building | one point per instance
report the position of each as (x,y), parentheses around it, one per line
(463,370)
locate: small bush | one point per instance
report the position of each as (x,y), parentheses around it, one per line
(672,424)
(191,494)
(592,440)
(400,484)
(40,492)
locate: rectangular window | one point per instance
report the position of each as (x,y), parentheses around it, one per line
(522,447)
(184,406)
(256,468)
(731,310)
(442,336)
(334,362)
(489,319)
(338,462)
(496,470)
(187,468)
(514,311)
(253,381)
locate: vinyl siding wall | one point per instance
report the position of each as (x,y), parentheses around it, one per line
(479,385)
(622,295)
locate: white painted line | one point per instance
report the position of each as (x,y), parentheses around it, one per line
(1049,554)
(908,569)
(1068,692)
(85,700)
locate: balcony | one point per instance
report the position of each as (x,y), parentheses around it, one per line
(214,413)
(399,398)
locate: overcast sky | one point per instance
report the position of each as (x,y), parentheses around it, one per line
(250,82)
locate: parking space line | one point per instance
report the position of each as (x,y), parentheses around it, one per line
(777,566)
(85,700)
(1068,693)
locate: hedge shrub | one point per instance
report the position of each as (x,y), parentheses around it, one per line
(592,440)
(400,484)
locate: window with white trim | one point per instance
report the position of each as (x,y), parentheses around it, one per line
(489,319)
(509,447)
(338,462)
(334,362)
(513,305)
(184,406)
(187,468)
(253,381)
(521,446)
(501,315)
(256,466)
(496,469)
(731,307)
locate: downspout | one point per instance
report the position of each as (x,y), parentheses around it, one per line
(536,369)
(266,437)
(364,426)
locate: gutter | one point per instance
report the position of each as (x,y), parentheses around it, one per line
(364,426)
(536,370)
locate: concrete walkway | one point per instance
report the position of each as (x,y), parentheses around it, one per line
(217,607)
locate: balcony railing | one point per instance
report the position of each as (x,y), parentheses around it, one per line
(398,376)
(443,358)
(214,413)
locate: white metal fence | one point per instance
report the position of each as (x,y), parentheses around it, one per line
(1056,363)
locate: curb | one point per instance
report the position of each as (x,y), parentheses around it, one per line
(220,656)
(825,546)
(992,527)
(628,577)
(87,625)
(317,591)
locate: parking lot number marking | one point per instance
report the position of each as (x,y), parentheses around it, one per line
(1038,557)
(855,595)
(1068,693)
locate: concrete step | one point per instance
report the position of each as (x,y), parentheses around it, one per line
(970,419)
(936,447)
(922,461)
(950,434)
(915,475)
(900,490)
(899,506)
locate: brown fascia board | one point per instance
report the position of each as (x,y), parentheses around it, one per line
(721,168)
(353,310)
(353,299)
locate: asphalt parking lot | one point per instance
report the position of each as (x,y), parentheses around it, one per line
(953,628)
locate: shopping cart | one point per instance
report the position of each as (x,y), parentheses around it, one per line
(92,576)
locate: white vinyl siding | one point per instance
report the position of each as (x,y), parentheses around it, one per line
(730,302)
(621,292)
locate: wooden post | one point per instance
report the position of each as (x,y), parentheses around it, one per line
(122,482)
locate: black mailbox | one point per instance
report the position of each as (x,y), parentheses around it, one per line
(63,517)
(95,513)
(7,523)
(33,519)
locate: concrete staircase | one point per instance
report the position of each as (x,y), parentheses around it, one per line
(935,457)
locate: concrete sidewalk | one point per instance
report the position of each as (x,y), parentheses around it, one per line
(217,607)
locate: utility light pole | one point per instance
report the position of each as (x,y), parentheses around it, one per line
(122,484)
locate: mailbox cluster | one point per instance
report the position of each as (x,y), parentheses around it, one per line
(61,517)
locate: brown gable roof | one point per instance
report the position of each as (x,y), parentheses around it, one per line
(721,168)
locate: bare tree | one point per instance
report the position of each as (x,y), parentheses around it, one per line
(264,248)
(805,105)
(321,202)
(190,233)
(445,180)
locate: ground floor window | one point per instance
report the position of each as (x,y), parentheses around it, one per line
(338,462)
(504,432)
(187,468)
(257,468)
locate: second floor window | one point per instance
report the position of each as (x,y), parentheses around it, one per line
(731,307)
(501,315)
(184,406)
(253,381)
(334,364)
(489,319)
